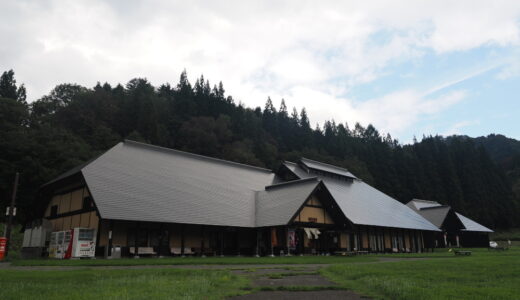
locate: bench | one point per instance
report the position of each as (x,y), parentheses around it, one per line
(461,252)
(178,251)
(142,251)
(362,252)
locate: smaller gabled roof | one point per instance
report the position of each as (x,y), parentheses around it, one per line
(316,165)
(418,204)
(436,214)
(471,225)
(278,203)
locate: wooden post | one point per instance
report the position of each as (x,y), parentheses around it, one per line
(302,241)
(161,233)
(256,244)
(238,242)
(182,240)
(110,233)
(11,214)
(287,241)
(271,241)
(221,242)
(136,248)
(202,241)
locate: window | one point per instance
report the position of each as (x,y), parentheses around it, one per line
(54,211)
(87,202)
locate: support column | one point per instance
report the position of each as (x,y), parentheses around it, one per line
(108,252)
(422,241)
(271,241)
(161,234)
(136,248)
(301,235)
(221,243)
(257,250)
(202,241)
(238,242)
(182,240)
(287,241)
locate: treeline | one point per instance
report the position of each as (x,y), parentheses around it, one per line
(73,123)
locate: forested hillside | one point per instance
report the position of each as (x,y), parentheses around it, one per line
(73,123)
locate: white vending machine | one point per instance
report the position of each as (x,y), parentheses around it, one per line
(83,243)
(73,243)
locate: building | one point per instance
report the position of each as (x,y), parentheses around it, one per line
(146,199)
(456,229)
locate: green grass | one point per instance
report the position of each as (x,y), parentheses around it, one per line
(197,261)
(483,275)
(120,284)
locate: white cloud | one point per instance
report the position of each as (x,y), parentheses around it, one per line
(309,53)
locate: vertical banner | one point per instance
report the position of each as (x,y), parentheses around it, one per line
(292,238)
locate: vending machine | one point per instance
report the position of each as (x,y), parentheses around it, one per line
(59,243)
(82,244)
(73,243)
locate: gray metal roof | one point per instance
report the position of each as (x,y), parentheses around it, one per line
(140,182)
(278,203)
(365,205)
(471,225)
(424,207)
(134,181)
(418,204)
(316,165)
(436,214)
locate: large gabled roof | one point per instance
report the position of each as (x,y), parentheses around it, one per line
(365,205)
(141,182)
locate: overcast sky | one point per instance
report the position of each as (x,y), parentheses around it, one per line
(408,67)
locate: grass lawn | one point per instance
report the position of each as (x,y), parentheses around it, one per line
(120,284)
(483,275)
(197,261)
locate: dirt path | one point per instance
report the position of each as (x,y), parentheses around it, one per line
(302,283)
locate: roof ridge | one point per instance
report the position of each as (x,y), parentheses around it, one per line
(197,156)
(291,182)
(432,207)
(319,162)
(426,201)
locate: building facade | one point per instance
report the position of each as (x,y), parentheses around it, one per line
(148,200)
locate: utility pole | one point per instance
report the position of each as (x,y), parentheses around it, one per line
(11,214)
